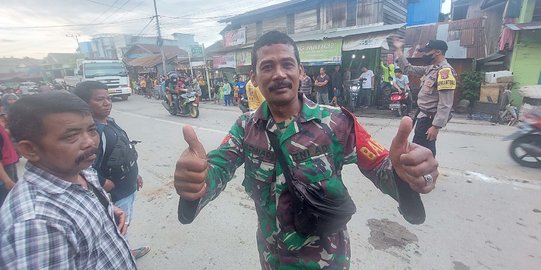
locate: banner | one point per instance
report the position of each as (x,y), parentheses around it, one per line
(244,57)
(235,37)
(321,52)
(224,61)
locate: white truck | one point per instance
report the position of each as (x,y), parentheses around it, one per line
(113,73)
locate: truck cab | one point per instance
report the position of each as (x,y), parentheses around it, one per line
(113,73)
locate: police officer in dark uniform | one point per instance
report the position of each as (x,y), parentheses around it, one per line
(438,84)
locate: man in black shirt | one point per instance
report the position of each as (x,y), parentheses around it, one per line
(337,84)
(322,87)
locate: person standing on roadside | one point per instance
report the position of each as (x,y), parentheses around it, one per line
(438,85)
(315,141)
(306,84)
(367,80)
(322,87)
(336,85)
(116,161)
(8,160)
(58,216)
(227,91)
(255,98)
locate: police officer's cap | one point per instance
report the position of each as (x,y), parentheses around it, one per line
(435,45)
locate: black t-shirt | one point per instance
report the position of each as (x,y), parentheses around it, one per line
(322,79)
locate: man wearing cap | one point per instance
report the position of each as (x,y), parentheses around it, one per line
(435,98)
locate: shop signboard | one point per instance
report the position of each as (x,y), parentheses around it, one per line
(235,37)
(320,52)
(244,57)
(224,61)
(366,41)
(196,51)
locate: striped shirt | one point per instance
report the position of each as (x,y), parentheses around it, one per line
(50,223)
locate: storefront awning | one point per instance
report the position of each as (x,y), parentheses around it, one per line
(366,41)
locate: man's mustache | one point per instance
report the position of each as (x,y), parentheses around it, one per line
(281,84)
(86,154)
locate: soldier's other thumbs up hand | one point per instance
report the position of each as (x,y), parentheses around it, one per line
(192,167)
(413,163)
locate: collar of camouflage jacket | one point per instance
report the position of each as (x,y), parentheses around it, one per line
(309,111)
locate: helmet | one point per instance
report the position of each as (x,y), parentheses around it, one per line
(173,77)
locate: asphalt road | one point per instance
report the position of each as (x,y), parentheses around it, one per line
(484,214)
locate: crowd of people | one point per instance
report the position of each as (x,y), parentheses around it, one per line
(75,202)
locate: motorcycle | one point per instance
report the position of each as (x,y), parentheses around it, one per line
(525,147)
(400,103)
(243,104)
(354,94)
(183,103)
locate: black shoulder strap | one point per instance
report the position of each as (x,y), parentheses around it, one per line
(280,155)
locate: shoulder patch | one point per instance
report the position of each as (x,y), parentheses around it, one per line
(446,79)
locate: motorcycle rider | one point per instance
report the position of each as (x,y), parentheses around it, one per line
(401,83)
(171,85)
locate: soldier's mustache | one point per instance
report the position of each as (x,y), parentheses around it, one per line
(279,85)
(86,154)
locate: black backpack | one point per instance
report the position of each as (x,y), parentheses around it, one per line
(119,155)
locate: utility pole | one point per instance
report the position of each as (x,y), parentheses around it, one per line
(160,40)
(76,37)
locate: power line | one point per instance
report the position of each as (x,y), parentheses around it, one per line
(72,25)
(144,28)
(117,9)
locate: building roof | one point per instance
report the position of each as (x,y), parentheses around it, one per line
(155,49)
(256,12)
(152,60)
(464,38)
(344,32)
(19,62)
(524,26)
(492,3)
(62,58)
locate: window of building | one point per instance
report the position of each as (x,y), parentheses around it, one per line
(351,13)
(369,12)
(336,13)
(537,12)
(459,12)
(290,24)
(259,29)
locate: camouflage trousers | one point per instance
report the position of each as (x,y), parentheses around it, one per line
(312,252)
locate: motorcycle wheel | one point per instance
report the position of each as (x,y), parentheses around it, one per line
(194,111)
(520,155)
(398,112)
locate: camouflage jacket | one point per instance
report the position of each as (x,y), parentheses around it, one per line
(320,140)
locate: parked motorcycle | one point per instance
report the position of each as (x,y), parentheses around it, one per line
(400,103)
(354,94)
(182,103)
(525,147)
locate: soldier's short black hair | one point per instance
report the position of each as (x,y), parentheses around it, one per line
(84,89)
(25,118)
(271,38)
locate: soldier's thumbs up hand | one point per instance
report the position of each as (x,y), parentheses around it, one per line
(413,163)
(192,167)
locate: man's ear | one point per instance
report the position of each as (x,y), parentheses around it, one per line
(252,78)
(28,149)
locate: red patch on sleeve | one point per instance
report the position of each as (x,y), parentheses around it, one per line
(227,137)
(370,153)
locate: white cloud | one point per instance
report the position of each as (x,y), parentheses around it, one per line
(20,19)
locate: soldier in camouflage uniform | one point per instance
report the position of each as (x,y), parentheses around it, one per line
(436,96)
(318,141)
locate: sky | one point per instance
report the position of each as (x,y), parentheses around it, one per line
(33,28)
